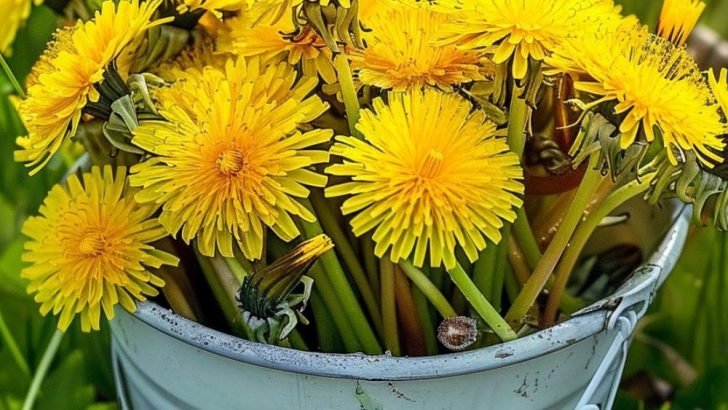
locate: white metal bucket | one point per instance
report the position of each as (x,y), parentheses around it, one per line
(163,361)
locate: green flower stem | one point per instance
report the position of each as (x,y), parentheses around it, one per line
(239,269)
(484,267)
(526,240)
(519,268)
(42,370)
(501,261)
(427,271)
(428,328)
(325,328)
(458,301)
(13,80)
(333,306)
(570,304)
(511,283)
(296,341)
(178,294)
(518,114)
(518,117)
(342,246)
(224,287)
(348,93)
(481,304)
(520,271)
(12,346)
(540,275)
(582,234)
(370,262)
(431,292)
(389,308)
(409,318)
(518,261)
(178,289)
(344,292)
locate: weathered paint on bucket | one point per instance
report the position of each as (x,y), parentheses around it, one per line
(163,361)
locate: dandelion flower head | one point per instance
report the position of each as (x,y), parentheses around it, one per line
(524,29)
(656,87)
(428,177)
(229,160)
(90,249)
(71,66)
(258,32)
(403,51)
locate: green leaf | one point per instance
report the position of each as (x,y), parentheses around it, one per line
(10,266)
(12,381)
(708,392)
(7,217)
(66,387)
(97,349)
(111,405)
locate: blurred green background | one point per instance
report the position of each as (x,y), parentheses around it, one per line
(679,358)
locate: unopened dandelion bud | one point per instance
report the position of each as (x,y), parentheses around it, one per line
(266,298)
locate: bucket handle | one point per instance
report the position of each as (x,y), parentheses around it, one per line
(628,304)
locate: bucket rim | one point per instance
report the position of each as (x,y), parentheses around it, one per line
(389,368)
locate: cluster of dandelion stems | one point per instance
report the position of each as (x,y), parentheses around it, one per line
(473,160)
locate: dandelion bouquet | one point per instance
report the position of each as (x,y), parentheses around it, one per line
(424,175)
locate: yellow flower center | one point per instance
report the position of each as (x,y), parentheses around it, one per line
(92,245)
(230,162)
(432,165)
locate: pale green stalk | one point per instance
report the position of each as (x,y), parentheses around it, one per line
(13,80)
(546,265)
(389,308)
(431,292)
(12,345)
(581,236)
(343,248)
(344,292)
(348,93)
(481,305)
(42,370)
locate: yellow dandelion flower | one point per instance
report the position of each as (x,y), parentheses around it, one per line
(719,87)
(229,160)
(90,249)
(16,12)
(678,18)
(258,32)
(214,6)
(523,29)
(656,86)
(429,175)
(195,56)
(402,52)
(368,8)
(74,63)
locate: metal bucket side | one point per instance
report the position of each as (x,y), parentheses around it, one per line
(165,361)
